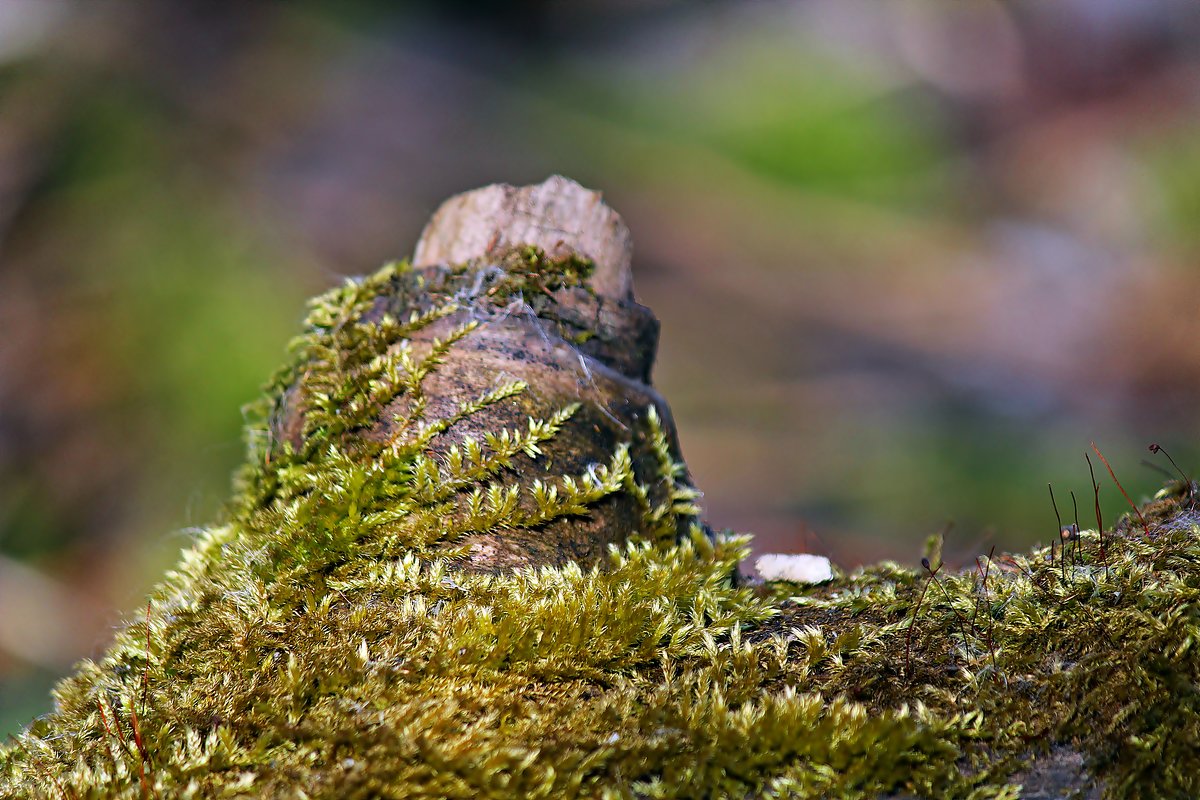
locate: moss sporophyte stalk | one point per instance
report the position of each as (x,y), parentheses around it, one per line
(410,596)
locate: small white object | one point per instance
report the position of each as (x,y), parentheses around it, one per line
(797,567)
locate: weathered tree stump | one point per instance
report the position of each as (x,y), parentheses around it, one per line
(497,255)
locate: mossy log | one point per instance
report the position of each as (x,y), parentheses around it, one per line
(463,560)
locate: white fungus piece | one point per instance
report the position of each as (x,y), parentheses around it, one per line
(797,568)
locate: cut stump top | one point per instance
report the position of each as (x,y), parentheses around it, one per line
(557,215)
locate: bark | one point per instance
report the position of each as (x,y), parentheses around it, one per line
(589,343)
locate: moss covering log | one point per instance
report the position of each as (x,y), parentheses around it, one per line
(463,560)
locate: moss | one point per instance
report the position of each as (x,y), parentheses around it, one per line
(324,641)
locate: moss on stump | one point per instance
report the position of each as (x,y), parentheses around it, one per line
(411,596)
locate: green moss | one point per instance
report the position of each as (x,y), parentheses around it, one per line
(323,642)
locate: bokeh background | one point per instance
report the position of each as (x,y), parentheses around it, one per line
(910,257)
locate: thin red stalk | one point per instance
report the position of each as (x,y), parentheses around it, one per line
(916,612)
(133,716)
(1076,529)
(962,621)
(991,640)
(1157,468)
(991,621)
(1058,517)
(120,733)
(145,758)
(1099,519)
(109,731)
(1113,475)
(146,670)
(1157,448)
(983,576)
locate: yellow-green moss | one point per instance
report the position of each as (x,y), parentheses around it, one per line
(316,644)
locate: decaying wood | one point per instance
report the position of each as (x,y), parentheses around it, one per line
(557,215)
(604,364)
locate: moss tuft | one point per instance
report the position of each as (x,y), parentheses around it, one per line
(325,641)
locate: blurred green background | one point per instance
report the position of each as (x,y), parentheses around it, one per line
(909,257)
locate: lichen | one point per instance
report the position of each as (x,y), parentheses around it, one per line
(325,641)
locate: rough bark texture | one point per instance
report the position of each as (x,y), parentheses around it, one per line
(589,343)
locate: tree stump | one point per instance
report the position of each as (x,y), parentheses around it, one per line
(501,257)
